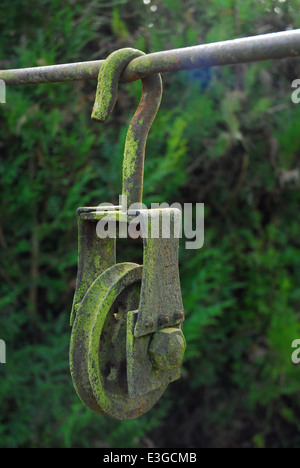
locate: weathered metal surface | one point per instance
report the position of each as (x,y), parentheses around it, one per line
(104,353)
(95,255)
(98,344)
(242,50)
(166,349)
(118,326)
(106,95)
(161,301)
(142,372)
(160,306)
(126,343)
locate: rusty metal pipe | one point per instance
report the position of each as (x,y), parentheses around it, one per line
(262,47)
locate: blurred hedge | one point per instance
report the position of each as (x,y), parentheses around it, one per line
(226,137)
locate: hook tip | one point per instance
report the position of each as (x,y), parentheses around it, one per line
(98,115)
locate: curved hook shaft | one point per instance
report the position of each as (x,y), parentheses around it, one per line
(106,95)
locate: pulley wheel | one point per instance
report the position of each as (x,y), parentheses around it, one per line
(98,344)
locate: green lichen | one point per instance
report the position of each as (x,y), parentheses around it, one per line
(95,337)
(98,341)
(108,81)
(147,62)
(95,255)
(95,325)
(130,156)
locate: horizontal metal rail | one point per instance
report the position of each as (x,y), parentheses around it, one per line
(263,47)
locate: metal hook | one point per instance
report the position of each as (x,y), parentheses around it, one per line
(106,96)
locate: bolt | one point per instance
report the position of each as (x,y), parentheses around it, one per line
(149,322)
(166,349)
(179,315)
(163,319)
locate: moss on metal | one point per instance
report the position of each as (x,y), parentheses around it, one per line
(99,341)
(109,359)
(108,82)
(95,255)
(130,159)
(106,95)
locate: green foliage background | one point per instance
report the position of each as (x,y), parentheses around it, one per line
(227,137)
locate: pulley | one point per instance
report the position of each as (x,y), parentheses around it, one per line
(127,343)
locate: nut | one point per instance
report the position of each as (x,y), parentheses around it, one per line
(166,348)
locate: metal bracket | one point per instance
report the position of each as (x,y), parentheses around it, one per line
(161,301)
(155,343)
(95,255)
